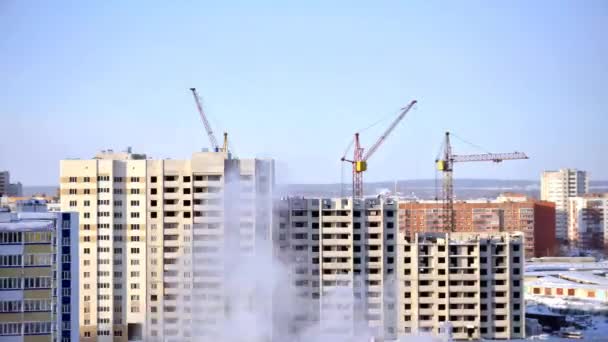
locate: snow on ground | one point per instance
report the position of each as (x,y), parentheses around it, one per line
(590,318)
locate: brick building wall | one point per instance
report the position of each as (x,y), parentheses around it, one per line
(535,219)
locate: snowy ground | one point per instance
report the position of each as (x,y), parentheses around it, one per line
(590,318)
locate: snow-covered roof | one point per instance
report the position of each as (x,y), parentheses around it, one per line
(585,277)
(555,282)
(566,266)
(28,221)
(27,225)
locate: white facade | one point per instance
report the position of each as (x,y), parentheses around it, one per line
(588,221)
(557,187)
(155,236)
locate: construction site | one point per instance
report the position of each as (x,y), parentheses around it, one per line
(445,267)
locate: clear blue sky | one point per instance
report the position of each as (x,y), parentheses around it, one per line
(294,82)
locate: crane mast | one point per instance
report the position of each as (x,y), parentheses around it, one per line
(199,106)
(445,164)
(359,161)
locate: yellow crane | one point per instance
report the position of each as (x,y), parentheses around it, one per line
(445,164)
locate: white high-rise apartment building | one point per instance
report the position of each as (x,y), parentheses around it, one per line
(588,221)
(557,187)
(159,239)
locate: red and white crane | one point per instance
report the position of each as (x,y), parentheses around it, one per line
(359,161)
(199,105)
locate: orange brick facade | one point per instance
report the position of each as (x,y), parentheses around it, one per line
(536,219)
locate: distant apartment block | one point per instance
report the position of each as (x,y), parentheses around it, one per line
(7,188)
(557,187)
(38,292)
(5,180)
(340,256)
(588,221)
(155,236)
(508,213)
(472,280)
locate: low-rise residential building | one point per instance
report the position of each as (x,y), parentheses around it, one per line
(474,281)
(38,275)
(588,221)
(508,213)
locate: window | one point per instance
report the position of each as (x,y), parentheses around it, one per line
(73,203)
(134,215)
(73,179)
(134,191)
(153,179)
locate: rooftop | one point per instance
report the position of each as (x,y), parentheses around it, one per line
(27,221)
(580,280)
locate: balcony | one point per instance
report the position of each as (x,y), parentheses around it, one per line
(336,254)
(337,242)
(370,264)
(426,312)
(377,276)
(464,312)
(374,288)
(463,300)
(426,288)
(376,253)
(340,219)
(374,242)
(206,183)
(426,300)
(335,230)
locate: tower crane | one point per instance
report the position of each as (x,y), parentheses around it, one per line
(445,164)
(359,160)
(214,146)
